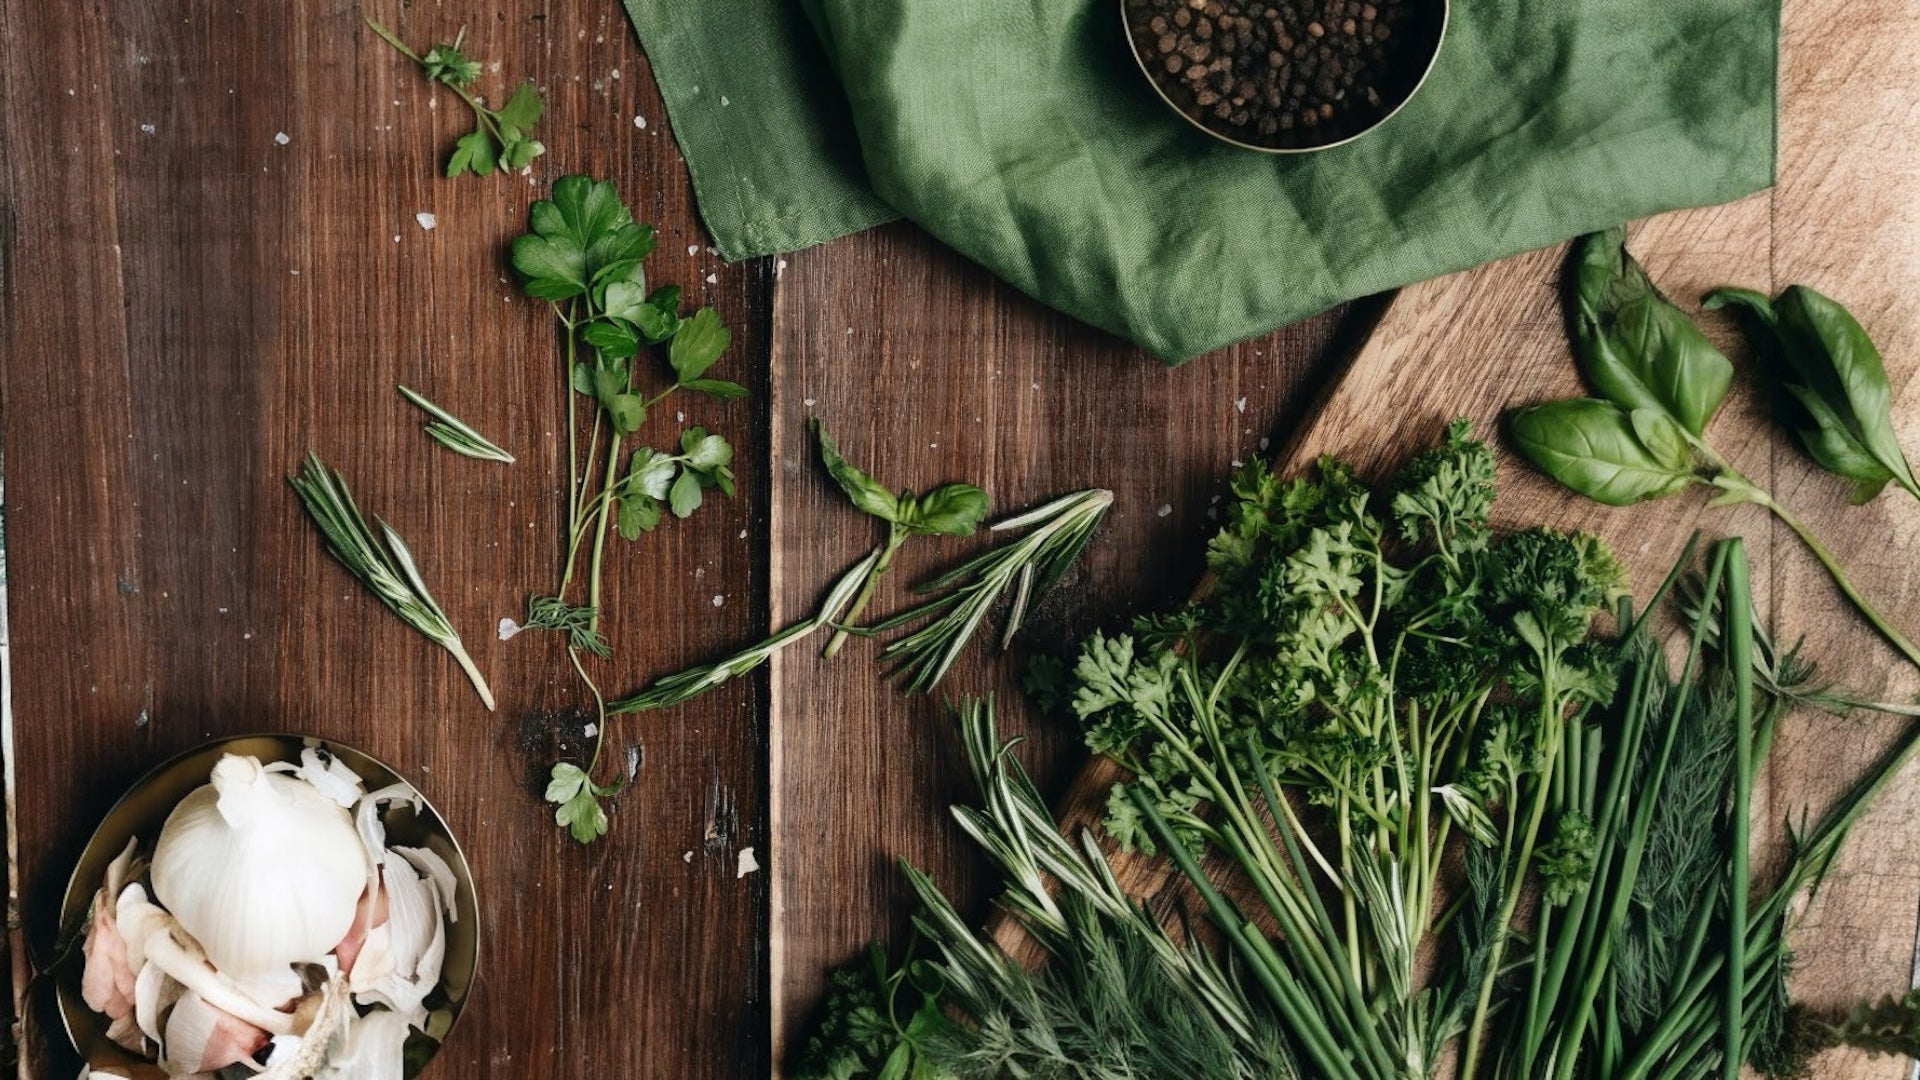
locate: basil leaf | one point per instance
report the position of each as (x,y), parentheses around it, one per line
(1832,388)
(864,490)
(1839,362)
(1590,446)
(950,509)
(1636,348)
(1661,437)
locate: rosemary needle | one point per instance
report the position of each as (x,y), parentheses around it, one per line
(454,433)
(382,563)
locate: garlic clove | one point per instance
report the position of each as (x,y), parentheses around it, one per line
(375,961)
(201,1038)
(154,992)
(107,981)
(261,868)
(435,869)
(374,1049)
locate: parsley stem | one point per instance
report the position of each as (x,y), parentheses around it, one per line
(1739,638)
(895,536)
(600,530)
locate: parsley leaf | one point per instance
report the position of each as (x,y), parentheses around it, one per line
(577,802)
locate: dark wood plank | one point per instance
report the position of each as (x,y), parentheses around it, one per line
(926,370)
(190,306)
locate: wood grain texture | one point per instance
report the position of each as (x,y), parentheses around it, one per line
(189,305)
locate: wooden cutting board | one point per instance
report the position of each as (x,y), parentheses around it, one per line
(1479,343)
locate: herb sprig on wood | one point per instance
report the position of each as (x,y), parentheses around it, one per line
(501,138)
(382,562)
(583,254)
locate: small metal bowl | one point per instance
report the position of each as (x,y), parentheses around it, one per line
(144,808)
(1416,50)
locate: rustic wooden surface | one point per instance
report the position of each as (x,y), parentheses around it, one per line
(186,307)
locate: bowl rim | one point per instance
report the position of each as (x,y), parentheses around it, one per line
(1433,60)
(77,898)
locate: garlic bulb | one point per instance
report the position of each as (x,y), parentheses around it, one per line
(260,868)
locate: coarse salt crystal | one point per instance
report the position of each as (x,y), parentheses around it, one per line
(426,220)
(809,404)
(747,864)
(693,249)
(1166,510)
(640,121)
(1239,404)
(713,279)
(508,628)
(282,138)
(719,601)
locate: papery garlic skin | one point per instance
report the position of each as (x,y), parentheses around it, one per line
(108,982)
(262,869)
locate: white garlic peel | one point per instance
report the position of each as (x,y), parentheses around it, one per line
(302,986)
(262,869)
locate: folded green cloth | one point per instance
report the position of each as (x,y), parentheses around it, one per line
(1023,134)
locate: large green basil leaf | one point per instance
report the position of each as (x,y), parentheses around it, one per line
(1636,348)
(1591,447)
(1833,389)
(1840,363)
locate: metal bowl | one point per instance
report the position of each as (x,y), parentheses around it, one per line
(1415,57)
(144,808)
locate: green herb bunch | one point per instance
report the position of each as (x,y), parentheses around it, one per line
(1411,675)
(1659,382)
(1418,800)
(583,254)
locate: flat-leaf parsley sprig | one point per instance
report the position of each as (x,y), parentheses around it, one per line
(583,255)
(382,563)
(501,138)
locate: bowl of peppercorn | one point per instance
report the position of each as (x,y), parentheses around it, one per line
(1285,76)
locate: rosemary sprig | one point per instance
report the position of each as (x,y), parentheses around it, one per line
(454,433)
(382,563)
(1029,566)
(691,683)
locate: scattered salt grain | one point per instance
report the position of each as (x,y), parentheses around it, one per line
(148,129)
(693,249)
(747,865)
(508,628)
(1239,404)
(743,534)
(724,102)
(1166,510)
(687,857)
(1264,443)
(282,138)
(590,730)
(809,404)
(713,251)
(779,268)
(640,121)
(713,279)
(719,601)
(426,220)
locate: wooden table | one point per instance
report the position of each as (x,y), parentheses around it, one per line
(210,263)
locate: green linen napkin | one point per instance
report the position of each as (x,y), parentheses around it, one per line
(1022,133)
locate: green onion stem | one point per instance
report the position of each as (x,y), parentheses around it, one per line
(1739,613)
